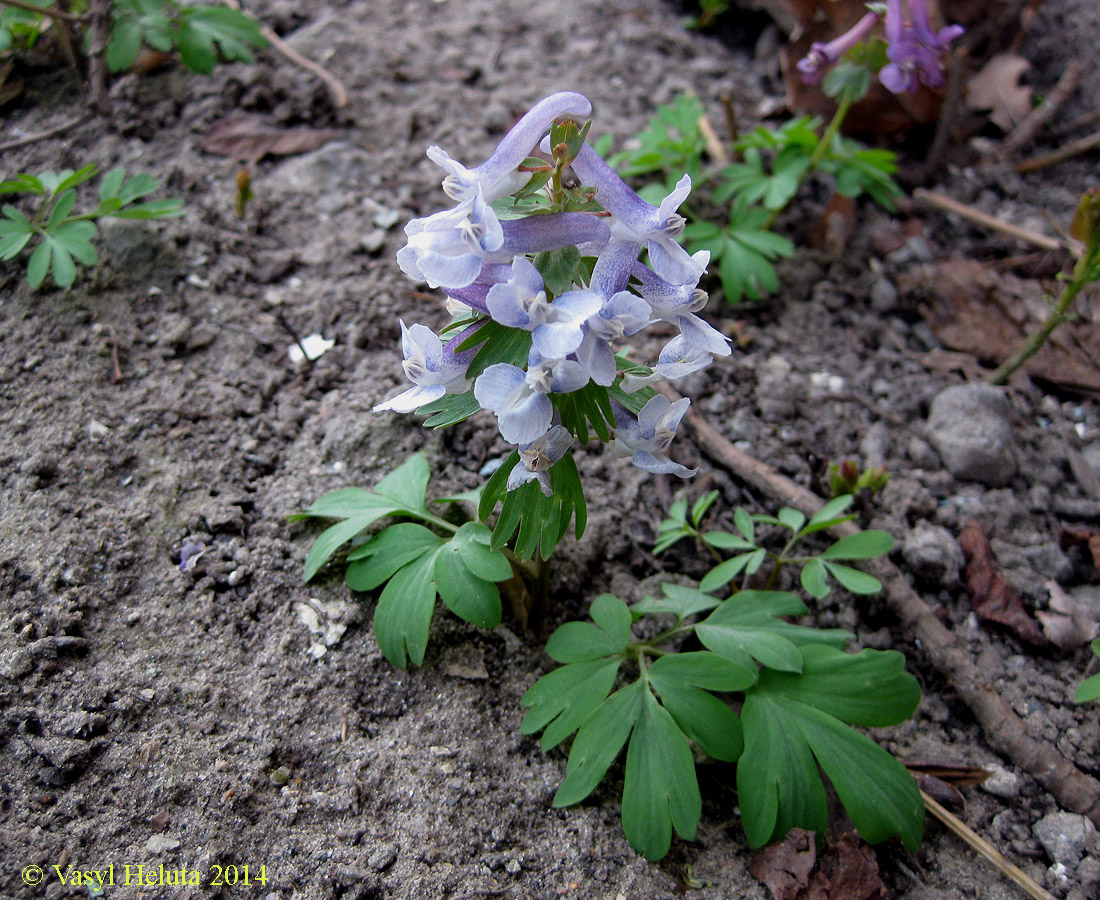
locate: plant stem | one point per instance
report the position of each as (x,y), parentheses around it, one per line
(1058,314)
(51,11)
(844,103)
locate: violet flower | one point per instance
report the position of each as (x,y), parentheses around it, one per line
(914,49)
(536,458)
(434,369)
(823,57)
(646,438)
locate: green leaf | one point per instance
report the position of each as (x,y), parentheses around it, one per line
(705,719)
(74,238)
(580,641)
(679,600)
(564,699)
(854,580)
(64,269)
(473,599)
(704,669)
(613,618)
(63,206)
(813,580)
(701,506)
(72,179)
(154,209)
(472,543)
(1087,690)
(335,536)
(112,181)
(206,32)
(660,791)
(22,184)
(450,409)
(348,502)
(725,541)
(862,545)
(407,485)
(791,518)
(743,521)
(379,558)
(790,721)
(495,488)
(726,571)
(12,244)
(496,343)
(747,626)
(598,742)
(558,268)
(39,264)
(830,514)
(403,616)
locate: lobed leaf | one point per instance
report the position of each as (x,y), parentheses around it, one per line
(403,616)
(562,700)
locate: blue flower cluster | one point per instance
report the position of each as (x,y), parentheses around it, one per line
(485,263)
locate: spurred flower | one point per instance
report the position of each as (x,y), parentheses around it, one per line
(434,369)
(536,458)
(646,438)
(823,57)
(914,49)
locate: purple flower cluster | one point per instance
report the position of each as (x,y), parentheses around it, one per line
(483,262)
(913,48)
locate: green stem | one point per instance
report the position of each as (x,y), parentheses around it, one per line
(1058,314)
(844,103)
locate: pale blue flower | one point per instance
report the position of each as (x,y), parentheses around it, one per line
(449,248)
(498,176)
(678,303)
(635,220)
(536,458)
(646,438)
(523,412)
(434,369)
(679,357)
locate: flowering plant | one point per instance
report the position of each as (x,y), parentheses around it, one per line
(540,262)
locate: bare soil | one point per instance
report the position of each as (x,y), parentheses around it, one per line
(186,718)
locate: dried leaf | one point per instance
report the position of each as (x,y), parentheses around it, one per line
(249,138)
(974,309)
(847,870)
(994,600)
(1067,623)
(836,226)
(997,88)
(1072,537)
(785,866)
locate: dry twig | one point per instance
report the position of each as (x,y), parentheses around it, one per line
(1070,150)
(335,87)
(986,849)
(43,135)
(1025,131)
(1005,730)
(978,217)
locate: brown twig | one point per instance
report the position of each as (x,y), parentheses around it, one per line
(335,87)
(971,214)
(43,135)
(1024,133)
(1006,731)
(986,849)
(958,75)
(1089,118)
(1070,150)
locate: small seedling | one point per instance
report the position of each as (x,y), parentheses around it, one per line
(59,234)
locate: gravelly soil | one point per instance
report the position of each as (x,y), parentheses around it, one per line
(145,708)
